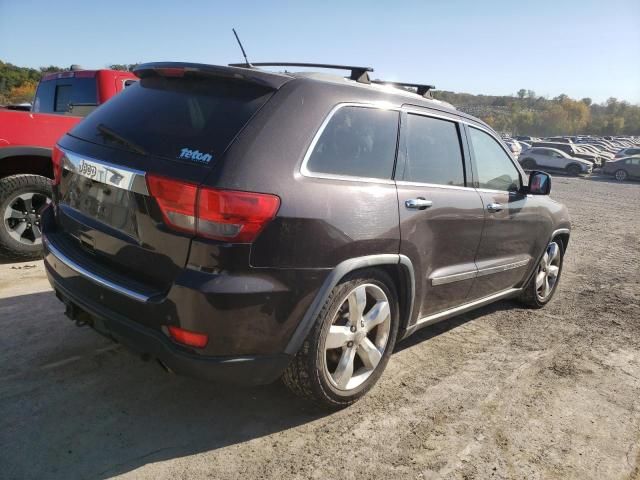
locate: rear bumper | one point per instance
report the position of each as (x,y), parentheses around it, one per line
(244,369)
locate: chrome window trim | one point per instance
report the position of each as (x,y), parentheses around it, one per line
(457,277)
(61,257)
(432,185)
(304,170)
(105,172)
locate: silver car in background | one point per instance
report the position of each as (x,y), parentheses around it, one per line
(553,159)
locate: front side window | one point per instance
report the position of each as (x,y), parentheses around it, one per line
(358,142)
(495,168)
(433,152)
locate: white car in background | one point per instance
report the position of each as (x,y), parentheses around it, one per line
(553,159)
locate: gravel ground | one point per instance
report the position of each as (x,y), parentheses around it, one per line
(502,392)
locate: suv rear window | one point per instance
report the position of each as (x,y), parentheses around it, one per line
(357,142)
(176,118)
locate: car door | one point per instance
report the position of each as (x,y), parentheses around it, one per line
(514,229)
(543,158)
(633,167)
(441,215)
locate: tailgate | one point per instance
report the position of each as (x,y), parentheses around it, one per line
(172,123)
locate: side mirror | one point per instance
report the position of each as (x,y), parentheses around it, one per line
(539,183)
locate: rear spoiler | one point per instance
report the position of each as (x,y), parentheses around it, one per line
(178,69)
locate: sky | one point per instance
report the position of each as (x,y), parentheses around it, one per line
(582,48)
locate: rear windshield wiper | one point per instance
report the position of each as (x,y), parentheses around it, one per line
(108,133)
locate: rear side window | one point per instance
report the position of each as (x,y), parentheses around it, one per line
(433,152)
(358,142)
(495,168)
(54,96)
(63,98)
(192,118)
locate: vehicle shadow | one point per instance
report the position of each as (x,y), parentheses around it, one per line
(77,406)
(74,406)
(436,329)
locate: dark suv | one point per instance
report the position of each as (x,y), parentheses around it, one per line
(241,225)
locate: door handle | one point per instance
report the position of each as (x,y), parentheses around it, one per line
(418,203)
(494,207)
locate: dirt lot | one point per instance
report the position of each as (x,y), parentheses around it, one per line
(502,392)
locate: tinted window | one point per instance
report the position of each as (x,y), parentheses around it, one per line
(45,94)
(176,118)
(76,91)
(358,142)
(495,168)
(63,98)
(433,152)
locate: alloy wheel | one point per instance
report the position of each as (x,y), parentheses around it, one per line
(22,217)
(621,175)
(357,337)
(548,271)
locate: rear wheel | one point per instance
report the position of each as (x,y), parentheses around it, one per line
(529,164)
(574,169)
(349,346)
(621,175)
(22,199)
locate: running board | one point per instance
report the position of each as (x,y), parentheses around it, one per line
(452,312)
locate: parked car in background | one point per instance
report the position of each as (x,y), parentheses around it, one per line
(554,159)
(570,149)
(628,152)
(559,139)
(514,146)
(274,234)
(26,142)
(623,168)
(524,145)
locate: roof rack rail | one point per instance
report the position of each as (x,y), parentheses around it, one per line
(359,74)
(422,90)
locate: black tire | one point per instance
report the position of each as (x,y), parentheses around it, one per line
(306,375)
(10,188)
(574,170)
(529,164)
(621,175)
(529,295)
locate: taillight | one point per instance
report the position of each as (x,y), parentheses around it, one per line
(234,216)
(186,337)
(177,201)
(56,160)
(227,215)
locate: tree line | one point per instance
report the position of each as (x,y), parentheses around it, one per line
(522,114)
(528,114)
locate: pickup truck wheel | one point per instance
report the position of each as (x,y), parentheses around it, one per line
(22,199)
(544,282)
(350,344)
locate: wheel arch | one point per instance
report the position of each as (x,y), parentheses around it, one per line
(563,234)
(398,267)
(26,160)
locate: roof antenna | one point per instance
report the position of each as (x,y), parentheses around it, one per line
(246,60)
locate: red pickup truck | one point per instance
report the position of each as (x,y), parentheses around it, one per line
(26,141)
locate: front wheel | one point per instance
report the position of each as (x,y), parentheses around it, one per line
(544,282)
(350,344)
(574,170)
(22,199)
(621,175)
